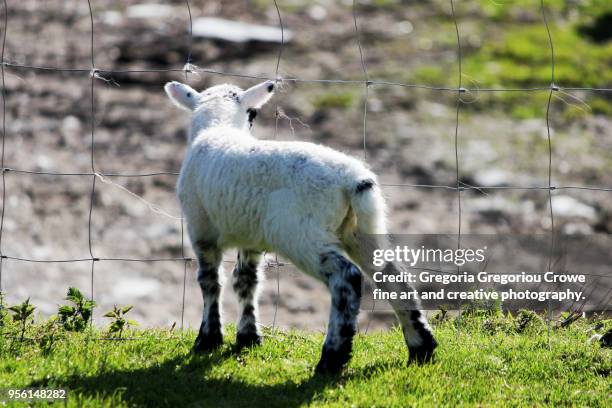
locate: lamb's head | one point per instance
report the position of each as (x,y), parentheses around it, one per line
(220,105)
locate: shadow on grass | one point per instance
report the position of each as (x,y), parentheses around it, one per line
(182,382)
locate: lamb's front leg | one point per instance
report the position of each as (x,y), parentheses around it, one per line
(210,335)
(245,280)
(344,282)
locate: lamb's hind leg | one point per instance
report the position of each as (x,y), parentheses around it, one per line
(344,280)
(210,335)
(245,280)
(417,333)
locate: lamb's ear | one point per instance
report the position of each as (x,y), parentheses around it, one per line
(182,95)
(256,96)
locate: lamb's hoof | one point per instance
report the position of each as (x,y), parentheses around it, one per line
(207,342)
(332,361)
(423,353)
(248,339)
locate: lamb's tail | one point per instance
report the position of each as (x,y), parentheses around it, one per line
(365,224)
(368,205)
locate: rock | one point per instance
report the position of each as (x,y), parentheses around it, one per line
(317,12)
(111,17)
(495,203)
(237,31)
(405,27)
(567,206)
(71,130)
(149,11)
(43,162)
(492,178)
(159,231)
(436,110)
(375,105)
(577,228)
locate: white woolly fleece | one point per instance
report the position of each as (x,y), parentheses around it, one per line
(289,197)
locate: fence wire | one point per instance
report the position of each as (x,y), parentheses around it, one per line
(3,141)
(100,73)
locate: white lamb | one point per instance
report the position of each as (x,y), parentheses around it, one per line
(313,205)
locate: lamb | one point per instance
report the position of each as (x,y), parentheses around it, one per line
(308,203)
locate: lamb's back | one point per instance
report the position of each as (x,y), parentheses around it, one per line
(233,155)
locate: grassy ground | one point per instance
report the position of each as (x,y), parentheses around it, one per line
(489,364)
(507,45)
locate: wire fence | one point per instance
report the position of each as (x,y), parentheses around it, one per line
(96,73)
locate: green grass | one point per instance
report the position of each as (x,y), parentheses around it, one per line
(333,99)
(514,52)
(523,58)
(489,364)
